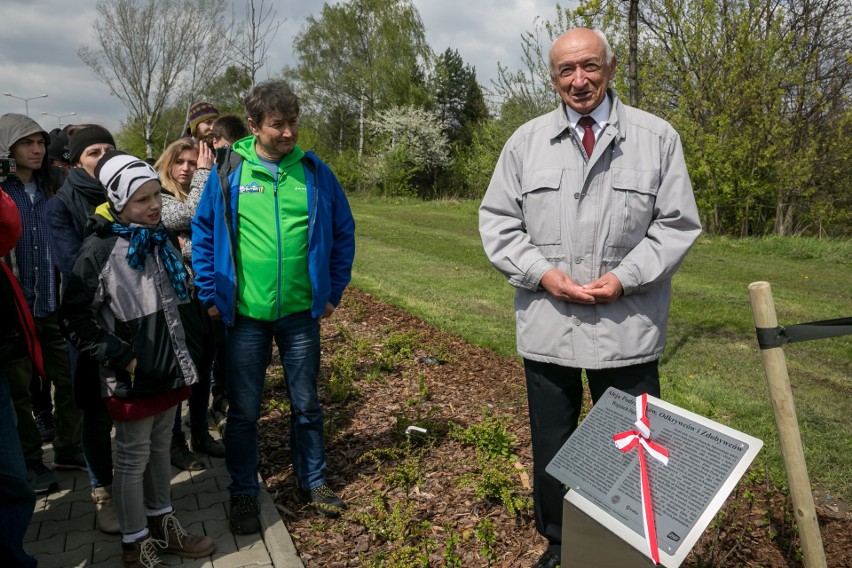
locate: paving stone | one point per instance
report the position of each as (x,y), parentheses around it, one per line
(206,485)
(32,531)
(221,533)
(211,513)
(172,560)
(243,558)
(208,499)
(247,541)
(92,536)
(179,476)
(54,512)
(82,510)
(187,502)
(52,528)
(107,551)
(78,557)
(52,545)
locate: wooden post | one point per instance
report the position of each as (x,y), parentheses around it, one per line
(775,366)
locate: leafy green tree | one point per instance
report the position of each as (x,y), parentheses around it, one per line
(458,97)
(228,91)
(756,89)
(358,58)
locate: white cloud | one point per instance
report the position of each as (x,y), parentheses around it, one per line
(40,40)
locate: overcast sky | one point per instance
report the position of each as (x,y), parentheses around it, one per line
(40,39)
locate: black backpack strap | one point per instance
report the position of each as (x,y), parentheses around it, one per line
(309,164)
(226,162)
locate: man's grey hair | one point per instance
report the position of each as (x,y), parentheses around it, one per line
(609,54)
(607,48)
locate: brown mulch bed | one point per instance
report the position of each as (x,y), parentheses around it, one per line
(407,505)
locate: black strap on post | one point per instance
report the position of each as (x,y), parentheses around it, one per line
(772,337)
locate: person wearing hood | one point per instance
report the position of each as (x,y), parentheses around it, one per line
(68,215)
(22,139)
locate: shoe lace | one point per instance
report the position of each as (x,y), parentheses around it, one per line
(148,552)
(171,525)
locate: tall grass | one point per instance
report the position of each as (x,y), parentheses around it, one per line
(426,257)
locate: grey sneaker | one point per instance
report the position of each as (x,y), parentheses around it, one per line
(40,478)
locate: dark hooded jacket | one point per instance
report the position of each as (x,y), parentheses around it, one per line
(68,214)
(114,313)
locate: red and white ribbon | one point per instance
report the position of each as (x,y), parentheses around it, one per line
(638,438)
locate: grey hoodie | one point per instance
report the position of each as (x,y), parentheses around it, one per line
(13,127)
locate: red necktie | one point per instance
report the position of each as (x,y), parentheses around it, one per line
(588,135)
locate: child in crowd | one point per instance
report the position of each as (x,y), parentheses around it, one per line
(128,305)
(227,129)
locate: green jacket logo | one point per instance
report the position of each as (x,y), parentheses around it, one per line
(253,187)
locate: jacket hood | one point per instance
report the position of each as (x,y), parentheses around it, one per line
(13,127)
(245,148)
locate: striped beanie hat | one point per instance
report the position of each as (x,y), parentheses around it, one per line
(198,113)
(121,175)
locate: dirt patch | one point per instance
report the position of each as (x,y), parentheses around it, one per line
(413,498)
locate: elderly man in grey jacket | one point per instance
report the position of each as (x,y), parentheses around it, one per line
(589,213)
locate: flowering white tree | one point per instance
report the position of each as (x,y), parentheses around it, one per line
(410,144)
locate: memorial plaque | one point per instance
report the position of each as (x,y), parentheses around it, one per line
(706,460)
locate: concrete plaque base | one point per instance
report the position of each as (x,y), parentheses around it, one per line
(588,544)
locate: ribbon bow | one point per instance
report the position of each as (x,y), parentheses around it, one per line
(638,438)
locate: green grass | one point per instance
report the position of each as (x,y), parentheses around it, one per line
(426,257)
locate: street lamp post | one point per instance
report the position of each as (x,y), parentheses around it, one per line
(25,99)
(59,117)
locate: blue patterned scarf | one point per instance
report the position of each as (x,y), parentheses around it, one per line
(142,240)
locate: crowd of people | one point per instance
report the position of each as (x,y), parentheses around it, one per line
(122,278)
(136,286)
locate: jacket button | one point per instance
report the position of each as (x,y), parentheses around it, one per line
(577,321)
(577,195)
(578,259)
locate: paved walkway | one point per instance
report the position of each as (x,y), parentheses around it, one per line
(63,534)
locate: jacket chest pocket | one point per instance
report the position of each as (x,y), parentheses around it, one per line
(634,195)
(541,206)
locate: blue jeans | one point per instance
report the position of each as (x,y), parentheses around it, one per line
(249,352)
(96,433)
(17,500)
(97,443)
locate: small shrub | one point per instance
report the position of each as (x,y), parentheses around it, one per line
(486,535)
(489,436)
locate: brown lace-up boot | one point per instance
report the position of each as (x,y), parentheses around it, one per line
(141,553)
(171,537)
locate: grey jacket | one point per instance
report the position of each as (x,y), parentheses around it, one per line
(630,210)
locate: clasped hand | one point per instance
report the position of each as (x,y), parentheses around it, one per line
(601,291)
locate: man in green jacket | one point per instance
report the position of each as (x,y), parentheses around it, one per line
(273,245)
